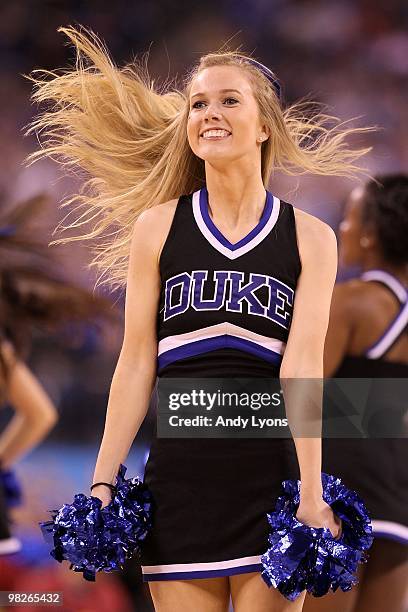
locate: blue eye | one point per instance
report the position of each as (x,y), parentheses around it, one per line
(225,100)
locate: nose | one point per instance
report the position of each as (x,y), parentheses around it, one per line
(211,112)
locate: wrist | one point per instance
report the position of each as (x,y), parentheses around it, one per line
(311,500)
(311,494)
(106,485)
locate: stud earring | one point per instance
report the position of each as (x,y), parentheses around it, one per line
(364,242)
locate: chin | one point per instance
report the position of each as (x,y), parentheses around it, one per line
(219,158)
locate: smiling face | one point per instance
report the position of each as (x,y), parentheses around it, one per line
(221,99)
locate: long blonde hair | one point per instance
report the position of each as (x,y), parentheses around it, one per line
(130,138)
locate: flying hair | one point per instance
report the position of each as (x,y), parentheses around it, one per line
(128,138)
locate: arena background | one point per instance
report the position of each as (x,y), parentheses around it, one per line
(351,55)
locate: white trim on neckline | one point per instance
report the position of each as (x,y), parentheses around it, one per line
(224,250)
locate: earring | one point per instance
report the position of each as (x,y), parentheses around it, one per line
(261,138)
(364,242)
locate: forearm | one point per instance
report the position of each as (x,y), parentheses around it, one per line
(309,456)
(303,395)
(128,403)
(21,435)
(34,412)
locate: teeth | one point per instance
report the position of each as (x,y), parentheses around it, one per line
(215,133)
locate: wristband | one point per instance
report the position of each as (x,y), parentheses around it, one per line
(107,484)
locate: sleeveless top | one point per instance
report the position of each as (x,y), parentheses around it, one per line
(226,309)
(372,363)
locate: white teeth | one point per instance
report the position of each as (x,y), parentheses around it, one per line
(215,133)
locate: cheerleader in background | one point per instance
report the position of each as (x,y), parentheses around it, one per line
(31,296)
(367,338)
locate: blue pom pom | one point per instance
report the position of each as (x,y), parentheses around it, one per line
(13,494)
(301,558)
(95,539)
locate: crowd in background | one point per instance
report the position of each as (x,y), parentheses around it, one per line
(350,55)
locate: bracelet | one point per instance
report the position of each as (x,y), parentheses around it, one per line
(107,484)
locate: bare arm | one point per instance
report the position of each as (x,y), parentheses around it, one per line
(34,415)
(341,324)
(135,372)
(303,357)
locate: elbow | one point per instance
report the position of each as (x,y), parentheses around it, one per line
(45,420)
(306,368)
(299,372)
(50,418)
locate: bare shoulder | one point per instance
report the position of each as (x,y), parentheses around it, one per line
(345,298)
(159,216)
(153,225)
(315,237)
(358,296)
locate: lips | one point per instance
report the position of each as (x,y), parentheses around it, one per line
(218,133)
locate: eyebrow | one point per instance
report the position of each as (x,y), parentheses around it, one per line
(220,91)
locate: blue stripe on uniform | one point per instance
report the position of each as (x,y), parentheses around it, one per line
(232,571)
(216,232)
(211,344)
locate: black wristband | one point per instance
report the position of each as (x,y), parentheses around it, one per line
(107,484)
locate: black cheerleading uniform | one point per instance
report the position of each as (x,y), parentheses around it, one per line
(225,311)
(376,467)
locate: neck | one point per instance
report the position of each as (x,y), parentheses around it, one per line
(235,195)
(374,261)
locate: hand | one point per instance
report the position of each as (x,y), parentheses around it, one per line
(103,493)
(319,514)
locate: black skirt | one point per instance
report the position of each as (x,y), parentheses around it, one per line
(376,468)
(211,497)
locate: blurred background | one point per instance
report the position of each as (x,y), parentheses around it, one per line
(351,55)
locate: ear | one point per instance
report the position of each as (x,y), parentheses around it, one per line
(371,234)
(265,132)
